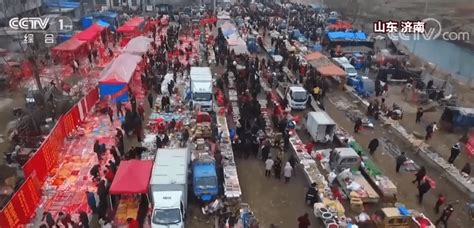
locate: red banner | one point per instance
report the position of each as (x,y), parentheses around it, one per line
(22,205)
(71,119)
(82,109)
(470,145)
(37,163)
(46,157)
(91,98)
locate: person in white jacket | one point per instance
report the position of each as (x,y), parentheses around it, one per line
(287,171)
(268,166)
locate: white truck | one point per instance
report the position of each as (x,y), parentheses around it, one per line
(344,64)
(169,187)
(320,126)
(297,97)
(201,88)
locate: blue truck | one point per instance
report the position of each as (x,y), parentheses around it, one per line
(205,186)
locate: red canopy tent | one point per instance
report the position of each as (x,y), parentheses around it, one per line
(208,20)
(132,25)
(91,33)
(132,177)
(130,29)
(69,49)
(340,25)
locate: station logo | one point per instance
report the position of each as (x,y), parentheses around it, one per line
(426,29)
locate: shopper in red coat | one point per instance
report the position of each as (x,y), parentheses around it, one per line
(309,146)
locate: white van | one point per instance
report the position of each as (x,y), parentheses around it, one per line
(344,63)
(297,97)
(320,126)
(201,87)
(169,187)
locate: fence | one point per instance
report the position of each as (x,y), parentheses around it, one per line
(21,207)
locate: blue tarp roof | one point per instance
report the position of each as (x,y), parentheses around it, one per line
(347,36)
(109,14)
(102,23)
(63,4)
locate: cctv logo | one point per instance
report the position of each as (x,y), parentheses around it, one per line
(29,23)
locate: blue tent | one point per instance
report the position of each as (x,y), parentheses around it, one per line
(63,4)
(86,22)
(115,78)
(102,23)
(110,17)
(355,36)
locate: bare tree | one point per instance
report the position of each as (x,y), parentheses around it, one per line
(6,6)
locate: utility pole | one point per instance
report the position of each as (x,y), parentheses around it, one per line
(59,6)
(214,2)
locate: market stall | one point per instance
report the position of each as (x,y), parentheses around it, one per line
(116,77)
(132,178)
(69,50)
(382,184)
(231,179)
(130,29)
(138,45)
(324,66)
(90,34)
(237,44)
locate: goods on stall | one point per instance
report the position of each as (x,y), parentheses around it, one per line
(356,183)
(202,130)
(231,180)
(126,209)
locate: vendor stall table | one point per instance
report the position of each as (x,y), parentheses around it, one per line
(65,192)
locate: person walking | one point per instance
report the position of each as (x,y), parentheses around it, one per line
(98,150)
(150,99)
(420,175)
(110,112)
(92,201)
(115,154)
(292,160)
(266,150)
(430,129)
(303,221)
(441,200)
(141,111)
(119,108)
(287,171)
(373,144)
(133,102)
(268,166)
(400,160)
(357,125)
(455,151)
(419,114)
(277,168)
(422,190)
(445,215)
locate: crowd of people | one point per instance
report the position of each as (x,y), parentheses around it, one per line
(250,137)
